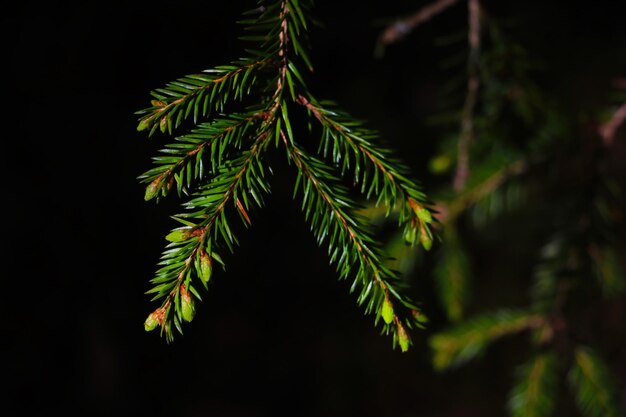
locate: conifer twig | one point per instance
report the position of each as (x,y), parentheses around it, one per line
(400,28)
(473,83)
(449,212)
(221,166)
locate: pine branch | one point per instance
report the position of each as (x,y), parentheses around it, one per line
(192,247)
(220,166)
(475,192)
(469,339)
(199,95)
(592,384)
(534,392)
(348,144)
(183,162)
(326,205)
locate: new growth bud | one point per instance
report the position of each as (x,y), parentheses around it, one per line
(410,233)
(151,323)
(420,318)
(154,319)
(163,124)
(143,124)
(403,338)
(425,239)
(424,215)
(178,235)
(152,190)
(187,304)
(206,267)
(387,311)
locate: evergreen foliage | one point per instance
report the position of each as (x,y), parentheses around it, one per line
(522,162)
(467,340)
(535,389)
(230,117)
(507,153)
(592,384)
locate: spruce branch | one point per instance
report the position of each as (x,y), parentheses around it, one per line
(475,192)
(592,384)
(198,95)
(469,339)
(219,165)
(346,142)
(191,249)
(534,392)
(399,29)
(511,131)
(183,162)
(326,205)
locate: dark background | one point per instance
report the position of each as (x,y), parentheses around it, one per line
(276,334)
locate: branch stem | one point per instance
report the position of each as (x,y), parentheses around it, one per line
(466,135)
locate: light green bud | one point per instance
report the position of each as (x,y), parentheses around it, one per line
(177,235)
(424,215)
(403,339)
(387,311)
(163,124)
(425,240)
(152,190)
(420,317)
(152,321)
(187,305)
(410,233)
(144,124)
(206,267)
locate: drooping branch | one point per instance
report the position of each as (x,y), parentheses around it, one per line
(220,165)
(351,248)
(396,189)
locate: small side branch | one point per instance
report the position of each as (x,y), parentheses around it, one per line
(450,212)
(400,28)
(473,83)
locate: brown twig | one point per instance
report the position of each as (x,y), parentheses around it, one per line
(609,129)
(473,83)
(400,28)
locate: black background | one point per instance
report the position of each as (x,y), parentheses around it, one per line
(276,334)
